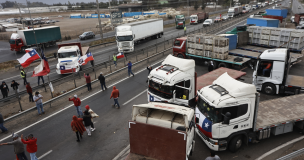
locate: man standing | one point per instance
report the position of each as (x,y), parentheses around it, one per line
(4,89)
(29,91)
(41,79)
(88,80)
(77,104)
(102,81)
(38,99)
(78,127)
(18,147)
(23,76)
(3,129)
(31,145)
(185,30)
(213,156)
(130,68)
(115,95)
(15,85)
(115,59)
(87,120)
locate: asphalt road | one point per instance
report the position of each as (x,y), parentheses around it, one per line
(101,54)
(297,7)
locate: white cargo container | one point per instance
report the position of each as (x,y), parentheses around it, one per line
(130,33)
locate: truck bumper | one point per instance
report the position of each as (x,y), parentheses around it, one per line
(69,71)
(207,141)
(124,50)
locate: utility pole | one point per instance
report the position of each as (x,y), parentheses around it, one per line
(21,19)
(32,24)
(188,8)
(99,20)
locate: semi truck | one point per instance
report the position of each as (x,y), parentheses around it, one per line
(180,21)
(130,33)
(234,11)
(229,114)
(175,81)
(198,17)
(161,131)
(249,54)
(68,57)
(271,74)
(45,36)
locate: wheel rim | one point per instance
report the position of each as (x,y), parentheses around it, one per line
(268,89)
(238,143)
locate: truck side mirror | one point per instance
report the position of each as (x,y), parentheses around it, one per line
(227,118)
(192,102)
(174,95)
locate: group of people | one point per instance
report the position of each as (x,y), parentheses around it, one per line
(31,146)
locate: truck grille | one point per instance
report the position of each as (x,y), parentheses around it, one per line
(125,44)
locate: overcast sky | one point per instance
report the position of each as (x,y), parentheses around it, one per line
(55,1)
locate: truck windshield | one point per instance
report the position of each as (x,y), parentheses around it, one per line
(161,90)
(67,55)
(12,41)
(124,38)
(213,114)
(193,17)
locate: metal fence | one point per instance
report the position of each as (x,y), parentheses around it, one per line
(161,47)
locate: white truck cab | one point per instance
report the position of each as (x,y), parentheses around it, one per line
(271,73)
(68,57)
(124,38)
(173,81)
(193,19)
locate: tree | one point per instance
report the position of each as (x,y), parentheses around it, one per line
(195,5)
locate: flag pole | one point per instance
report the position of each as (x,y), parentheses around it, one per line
(50,85)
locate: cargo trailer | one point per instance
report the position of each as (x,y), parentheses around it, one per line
(265,22)
(277,12)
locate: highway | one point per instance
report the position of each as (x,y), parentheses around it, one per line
(55,137)
(100,54)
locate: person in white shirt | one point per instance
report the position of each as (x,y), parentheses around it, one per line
(213,156)
(38,99)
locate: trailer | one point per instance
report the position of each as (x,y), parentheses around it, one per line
(234,11)
(44,36)
(234,115)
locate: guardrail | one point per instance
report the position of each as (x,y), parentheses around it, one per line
(135,54)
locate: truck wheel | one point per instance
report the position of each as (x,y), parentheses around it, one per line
(222,65)
(269,89)
(23,49)
(181,56)
(235,144)
(160,35)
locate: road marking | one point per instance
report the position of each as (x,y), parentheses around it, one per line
(279,147)
(45,154)
(121,153)
(134,97)
(73,104)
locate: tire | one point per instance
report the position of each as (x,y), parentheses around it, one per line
(23,49)
(160,35)
(269,89)
(235,144)
(180,56)
(223,65)
(157,36)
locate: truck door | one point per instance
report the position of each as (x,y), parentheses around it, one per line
(182,92)
(262,73)
(278,71)
(239,120)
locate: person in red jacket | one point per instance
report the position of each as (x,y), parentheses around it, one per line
(31,145)
(78,127)
(115,95)
(88,80)
(29,91)
(77,104)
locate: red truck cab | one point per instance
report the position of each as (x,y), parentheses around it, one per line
(179,47)
(16,43)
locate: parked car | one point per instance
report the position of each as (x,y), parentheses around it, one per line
(208,22)
(300,27)
(50,21)
(87,35)
(217,19)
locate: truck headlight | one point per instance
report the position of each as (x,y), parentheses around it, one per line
(222,145)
